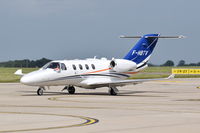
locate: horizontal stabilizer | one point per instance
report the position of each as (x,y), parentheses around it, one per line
(180,36)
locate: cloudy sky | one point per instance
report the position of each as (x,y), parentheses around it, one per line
(68,29)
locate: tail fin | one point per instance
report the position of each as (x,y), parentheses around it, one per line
(142,51)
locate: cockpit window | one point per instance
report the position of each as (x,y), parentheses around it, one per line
(53,65)
(46,65)
(63,67)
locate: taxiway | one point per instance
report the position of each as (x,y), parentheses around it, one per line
(152,107)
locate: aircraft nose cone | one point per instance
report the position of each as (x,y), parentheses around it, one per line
(25,80)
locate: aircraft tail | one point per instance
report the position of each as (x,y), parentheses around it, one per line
(143,49)
(141,52)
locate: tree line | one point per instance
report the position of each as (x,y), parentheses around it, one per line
(41,62)
(180,63)
(25,63)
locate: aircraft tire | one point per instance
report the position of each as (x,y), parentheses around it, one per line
(40,91)
(71,90)
(112,92)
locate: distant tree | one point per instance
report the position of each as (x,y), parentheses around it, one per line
(41,62)
(25,63)
(168,63)
(32,64)
(192,64)
(181,63)
(151,65)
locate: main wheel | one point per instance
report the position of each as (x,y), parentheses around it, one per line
(112,92)
(71,90)
(40,91)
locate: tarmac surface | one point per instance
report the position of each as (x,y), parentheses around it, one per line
(152,107)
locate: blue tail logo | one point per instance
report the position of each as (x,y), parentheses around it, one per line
(142,51)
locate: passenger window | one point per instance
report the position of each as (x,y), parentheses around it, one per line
(86,66)
(93,67)
(63,67)
(80,66)
(74,67)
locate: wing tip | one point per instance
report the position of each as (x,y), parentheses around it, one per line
(171,76)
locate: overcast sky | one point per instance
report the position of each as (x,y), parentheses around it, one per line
(68,29)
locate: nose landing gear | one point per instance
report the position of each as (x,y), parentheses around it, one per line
(40,91)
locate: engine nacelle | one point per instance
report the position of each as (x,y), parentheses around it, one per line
(121,65)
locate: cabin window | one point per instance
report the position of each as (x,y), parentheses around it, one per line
(63,67)
(93,66)
(74,67)
(80,66)
(86,66)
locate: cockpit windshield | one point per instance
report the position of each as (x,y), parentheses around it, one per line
(55,66)
(52,65)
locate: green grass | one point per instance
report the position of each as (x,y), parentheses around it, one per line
(164,69)
(157,70)
(161,72)
(7,74)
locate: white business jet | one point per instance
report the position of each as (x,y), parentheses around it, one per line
(95,73)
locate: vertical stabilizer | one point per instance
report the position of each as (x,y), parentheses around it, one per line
(143,49)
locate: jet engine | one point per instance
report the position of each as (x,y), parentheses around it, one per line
(121,65)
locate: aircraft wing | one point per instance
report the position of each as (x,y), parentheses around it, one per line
(107,82)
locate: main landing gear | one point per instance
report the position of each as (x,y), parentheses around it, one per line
(113,91)
(71,89)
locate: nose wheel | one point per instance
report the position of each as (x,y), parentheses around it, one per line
(40,91)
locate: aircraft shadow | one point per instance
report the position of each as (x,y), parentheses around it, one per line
(126,93)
